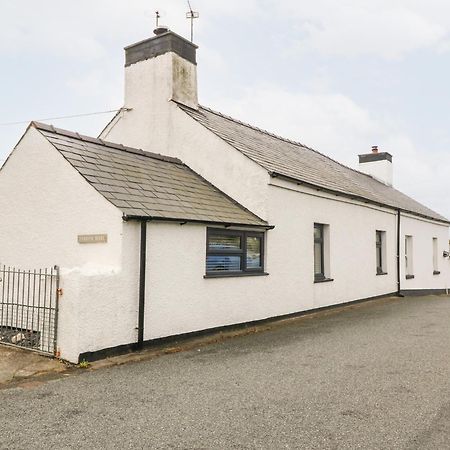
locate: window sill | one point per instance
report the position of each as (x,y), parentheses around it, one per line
(409,277)
(235,274)
(382,273)
(436,272)
(323,280)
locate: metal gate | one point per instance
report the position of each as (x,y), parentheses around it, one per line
(29,308)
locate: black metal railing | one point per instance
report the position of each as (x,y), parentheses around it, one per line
(29,308)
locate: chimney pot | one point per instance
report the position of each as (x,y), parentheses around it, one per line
(374,148)
(160,30)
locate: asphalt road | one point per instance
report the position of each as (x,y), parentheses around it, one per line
(376,376)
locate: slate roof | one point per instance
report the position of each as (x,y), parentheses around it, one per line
(300,163)
(147,185)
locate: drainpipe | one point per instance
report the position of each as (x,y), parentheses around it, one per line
(142,273)
(398,254)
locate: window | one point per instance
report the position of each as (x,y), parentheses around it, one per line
(321,253)
(435,257)
(234,252)
(409,257)
(319,269)
(380,246)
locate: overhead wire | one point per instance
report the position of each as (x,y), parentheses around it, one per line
(5,124)
(74,116)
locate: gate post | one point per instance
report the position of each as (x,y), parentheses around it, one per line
(58,293)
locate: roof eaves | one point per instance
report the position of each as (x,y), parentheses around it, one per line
(182,221)
(356,197)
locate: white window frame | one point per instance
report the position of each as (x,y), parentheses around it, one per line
(324,241)
(380,249)
(436,256)
(409,257)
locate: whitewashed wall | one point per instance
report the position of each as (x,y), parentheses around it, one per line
(45,204)
(423,231)
(179,299)
(352,233)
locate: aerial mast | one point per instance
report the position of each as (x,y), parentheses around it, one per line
(192,15)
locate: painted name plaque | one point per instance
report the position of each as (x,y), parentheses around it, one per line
(92,238)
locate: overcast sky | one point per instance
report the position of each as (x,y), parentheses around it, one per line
(337,76)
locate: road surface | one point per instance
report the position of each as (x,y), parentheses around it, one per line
(375,376)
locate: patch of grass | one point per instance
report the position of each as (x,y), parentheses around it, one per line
(84,364)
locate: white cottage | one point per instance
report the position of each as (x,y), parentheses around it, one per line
(179,219)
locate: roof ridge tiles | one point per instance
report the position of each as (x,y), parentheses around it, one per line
(281,138)
(246,124)
(86,138)
(92,140)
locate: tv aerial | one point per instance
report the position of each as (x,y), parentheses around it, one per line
(192,15)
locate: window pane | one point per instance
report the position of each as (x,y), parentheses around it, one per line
(317,231)
(378,237)
(379,268)
(435,255)
(223,263)
(318,258)
(253,252)
(409,255)
(225,242)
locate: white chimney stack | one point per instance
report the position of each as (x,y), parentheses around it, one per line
(378,165)
(160,69)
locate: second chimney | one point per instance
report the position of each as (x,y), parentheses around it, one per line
(378,165)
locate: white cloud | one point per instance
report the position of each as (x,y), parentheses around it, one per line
(106,87)
(365,28)
(82,28)
(347,28)
(389,34)
(328,122)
